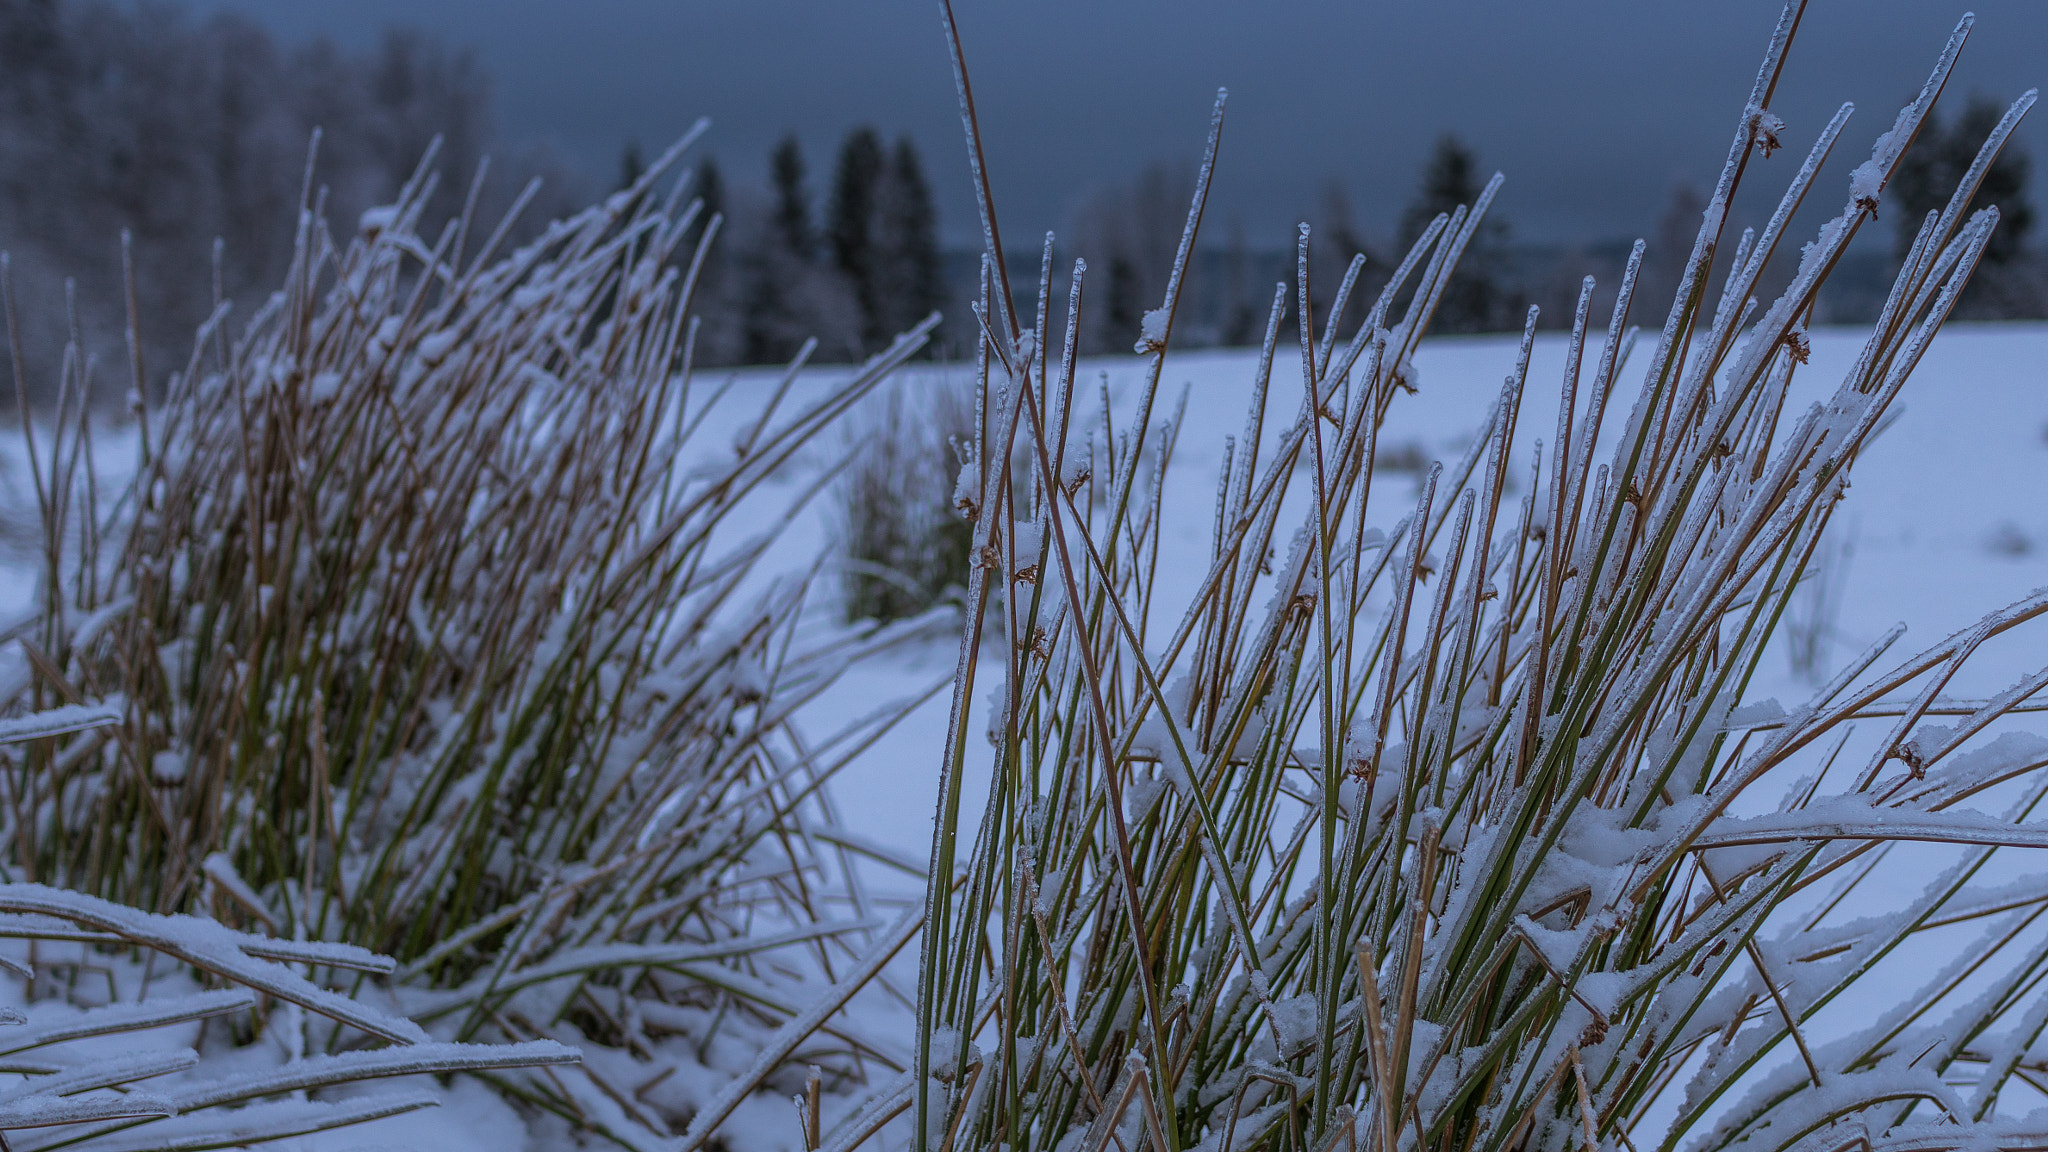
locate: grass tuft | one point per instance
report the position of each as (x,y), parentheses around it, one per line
(902,543)
(1448,828)
(431,628)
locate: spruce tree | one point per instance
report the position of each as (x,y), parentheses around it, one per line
(710,189)
(1240,315)
(851,226)
(719,336)
(1124,307)
(792,219)
(1449,178)
(912,278)
(779,264)
(2007,283)
(1474,300)
(1336,242)
(1936,163)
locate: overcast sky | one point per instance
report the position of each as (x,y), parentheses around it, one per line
(1593,108)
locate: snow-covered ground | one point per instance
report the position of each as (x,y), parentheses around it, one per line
(1946,519)
(1947,516)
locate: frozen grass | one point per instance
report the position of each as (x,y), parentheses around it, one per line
(1449,827)
(901,542)
(1456,836)
(94,1098)
(430,628)
(87,1085)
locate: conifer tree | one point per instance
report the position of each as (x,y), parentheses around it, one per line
(792,220)
(1474,300)
(1124,308)
(882,234)
(851,226)
(719,336)
(2007,283)
(909,276)
(708,186)
(1936,163)
(1239,313)
(780,262)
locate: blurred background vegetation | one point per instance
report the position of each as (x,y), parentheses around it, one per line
(191,132)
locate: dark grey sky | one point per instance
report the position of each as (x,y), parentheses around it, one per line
(1592,108)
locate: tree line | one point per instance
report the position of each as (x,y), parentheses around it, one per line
(1129,234)
(193,136)
(781,272)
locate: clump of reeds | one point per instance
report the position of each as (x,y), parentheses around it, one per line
(430,630)
(1452,835)
(85,1084)
(902,540)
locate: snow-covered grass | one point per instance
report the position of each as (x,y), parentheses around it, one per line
(428,622)
(899,542)
(102,1070)
(1966,454)
(1303,795)
(1930,503)
(1469,831)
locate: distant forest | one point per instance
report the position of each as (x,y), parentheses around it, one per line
(192,136)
